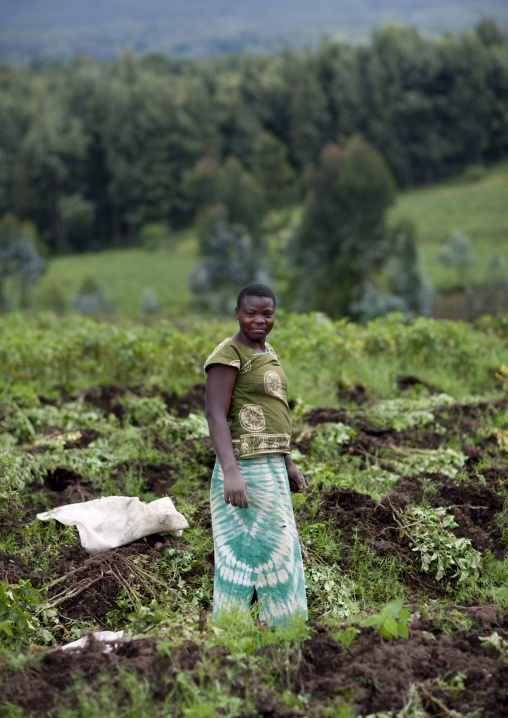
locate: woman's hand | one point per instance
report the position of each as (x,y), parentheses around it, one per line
(235,489)
(297,482)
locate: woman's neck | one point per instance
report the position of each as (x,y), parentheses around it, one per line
(257,347)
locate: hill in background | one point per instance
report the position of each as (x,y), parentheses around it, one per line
(59,29)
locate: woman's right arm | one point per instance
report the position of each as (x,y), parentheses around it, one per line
(220,380)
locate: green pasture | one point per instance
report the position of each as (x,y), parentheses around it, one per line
(479,209)
(126,273)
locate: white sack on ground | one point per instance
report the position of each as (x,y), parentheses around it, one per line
(110,638)
(118,520)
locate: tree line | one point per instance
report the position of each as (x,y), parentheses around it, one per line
(92,152)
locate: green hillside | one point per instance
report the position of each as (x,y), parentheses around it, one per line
(479,209)
(126,273)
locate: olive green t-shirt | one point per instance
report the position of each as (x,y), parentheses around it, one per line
(259,416)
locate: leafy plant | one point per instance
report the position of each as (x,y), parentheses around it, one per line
(327,438)
(19,624)
(496,642)
(502,375)
(391,621)
(429,531)
(329,592)
(403,414)
(418,461)
(9,483)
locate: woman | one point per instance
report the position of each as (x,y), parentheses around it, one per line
(257,551)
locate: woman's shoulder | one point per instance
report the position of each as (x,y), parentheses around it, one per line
(228,352)
(272,350)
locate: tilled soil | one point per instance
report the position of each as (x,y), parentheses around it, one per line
(474,506)
(374,675)
(377,674)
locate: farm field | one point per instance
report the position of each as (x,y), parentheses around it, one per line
(478,209)
(400,430)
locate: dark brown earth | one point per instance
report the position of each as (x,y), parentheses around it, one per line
(353,514)
(106,397)
(182,406)
(377,674)
(373,674)
(475,508)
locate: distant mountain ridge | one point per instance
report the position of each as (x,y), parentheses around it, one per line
(59,29)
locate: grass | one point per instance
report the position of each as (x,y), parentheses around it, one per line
(478,209)
(126,273)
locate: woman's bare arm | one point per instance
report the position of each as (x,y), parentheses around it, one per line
(220,381)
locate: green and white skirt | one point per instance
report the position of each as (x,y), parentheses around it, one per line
(257,548)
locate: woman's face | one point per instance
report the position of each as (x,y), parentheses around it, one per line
(256,316)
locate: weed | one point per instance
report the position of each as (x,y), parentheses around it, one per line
(391,621)
(19,605)
(329,592)
(428,530)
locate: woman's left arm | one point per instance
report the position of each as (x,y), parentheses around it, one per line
(295,476)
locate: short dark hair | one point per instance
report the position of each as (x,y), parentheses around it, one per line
(256,290)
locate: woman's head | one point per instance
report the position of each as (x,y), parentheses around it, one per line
(255,312)
(256,290)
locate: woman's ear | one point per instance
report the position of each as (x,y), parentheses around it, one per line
(236,313)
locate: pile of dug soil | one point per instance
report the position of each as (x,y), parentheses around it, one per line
(439,671)
(377,674)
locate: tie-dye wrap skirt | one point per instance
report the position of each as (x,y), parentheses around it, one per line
(258,547)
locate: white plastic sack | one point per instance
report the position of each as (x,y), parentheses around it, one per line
(109,638)
(118,520)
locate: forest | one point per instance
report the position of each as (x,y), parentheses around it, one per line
(96,155)
(91,152)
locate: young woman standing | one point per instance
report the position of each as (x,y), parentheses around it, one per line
(256,546)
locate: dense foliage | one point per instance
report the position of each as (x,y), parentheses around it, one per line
(92,152)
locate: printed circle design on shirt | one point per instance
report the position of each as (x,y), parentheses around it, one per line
(252,418)
(273,384)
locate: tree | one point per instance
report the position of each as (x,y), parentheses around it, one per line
(230,261)
(241,195)
(273,173)
(342,240)
(19,258)
(50,179)
(406,277)
(457,253)
(309,119)
(200,184)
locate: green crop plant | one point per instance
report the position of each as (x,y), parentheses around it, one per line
(429,530)
(19,605)
(327,438)
(329,592)
(402,413)
(391,621)
(408,460)
(497,643)
(502,375)
(10,483)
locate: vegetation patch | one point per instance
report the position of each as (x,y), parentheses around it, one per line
(403,528)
